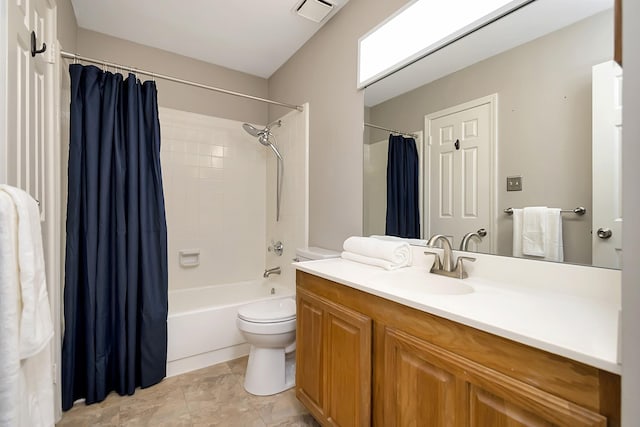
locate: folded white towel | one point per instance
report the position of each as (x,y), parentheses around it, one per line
(377,262)
(398,253)
(517,232)
(534,225)
(414,242)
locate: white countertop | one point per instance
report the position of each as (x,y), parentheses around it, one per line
(577,326)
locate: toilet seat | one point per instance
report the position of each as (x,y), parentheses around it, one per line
(270,311)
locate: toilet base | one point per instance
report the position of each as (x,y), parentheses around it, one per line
(269,371)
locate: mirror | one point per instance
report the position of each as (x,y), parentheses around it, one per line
(526,84)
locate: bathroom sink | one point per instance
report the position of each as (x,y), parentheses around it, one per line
(420,282)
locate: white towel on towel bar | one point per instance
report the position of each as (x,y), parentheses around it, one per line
(553,243)
(534,225)
(395,254)
(32,386)
(517,232)
(9,317)
(36,327)
(547,243)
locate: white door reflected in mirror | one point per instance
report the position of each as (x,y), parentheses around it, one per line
(607,165)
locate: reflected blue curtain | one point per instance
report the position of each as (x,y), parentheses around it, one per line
(403,215)
(115,295)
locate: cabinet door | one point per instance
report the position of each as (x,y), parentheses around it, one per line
(333,361)
(348,367)
(309,352)
(417,391)
(517,408)
(426,385)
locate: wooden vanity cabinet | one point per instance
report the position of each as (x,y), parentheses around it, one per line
(365,360)
(333,361)
(426,385)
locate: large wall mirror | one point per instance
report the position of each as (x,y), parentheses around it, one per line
(521,114)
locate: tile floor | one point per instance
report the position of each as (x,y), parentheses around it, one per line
(212,396)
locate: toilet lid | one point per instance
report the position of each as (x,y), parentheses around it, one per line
(275,310)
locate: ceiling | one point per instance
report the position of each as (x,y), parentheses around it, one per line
(252,36)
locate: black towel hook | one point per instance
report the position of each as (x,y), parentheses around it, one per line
(35,51)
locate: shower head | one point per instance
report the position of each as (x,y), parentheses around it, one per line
(264,135)
(251,130)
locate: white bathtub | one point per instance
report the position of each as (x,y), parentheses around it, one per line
(202,322)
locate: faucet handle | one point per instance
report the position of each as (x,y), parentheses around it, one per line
(459,270)
(276,247)
(437,264)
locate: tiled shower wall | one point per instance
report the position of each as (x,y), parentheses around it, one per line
(214,188)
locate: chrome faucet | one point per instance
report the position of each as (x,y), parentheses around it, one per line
(269,271)
(445,267)
(477,236)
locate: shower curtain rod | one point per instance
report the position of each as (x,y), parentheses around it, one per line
(413,135)
(77,57)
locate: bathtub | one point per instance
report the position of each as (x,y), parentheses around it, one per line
(201,325)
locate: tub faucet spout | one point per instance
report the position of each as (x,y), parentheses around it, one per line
(269,271)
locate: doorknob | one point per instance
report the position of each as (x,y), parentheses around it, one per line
(604,233)
(482,232)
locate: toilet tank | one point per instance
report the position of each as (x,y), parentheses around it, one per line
(315,253)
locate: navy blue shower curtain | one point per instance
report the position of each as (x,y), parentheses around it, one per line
(403,215)
(115,295)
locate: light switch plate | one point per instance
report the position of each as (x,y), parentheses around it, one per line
(514,183)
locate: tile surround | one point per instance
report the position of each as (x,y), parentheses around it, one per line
(215,197)
(220,188)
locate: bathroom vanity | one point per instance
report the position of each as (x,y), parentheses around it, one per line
(373,350)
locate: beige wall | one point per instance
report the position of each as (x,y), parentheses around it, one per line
(176,95)
(631,207)
(323,73)
(544,121)
(67,25)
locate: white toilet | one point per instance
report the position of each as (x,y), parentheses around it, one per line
(270,328)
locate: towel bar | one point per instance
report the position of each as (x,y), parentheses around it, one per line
(578,211)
